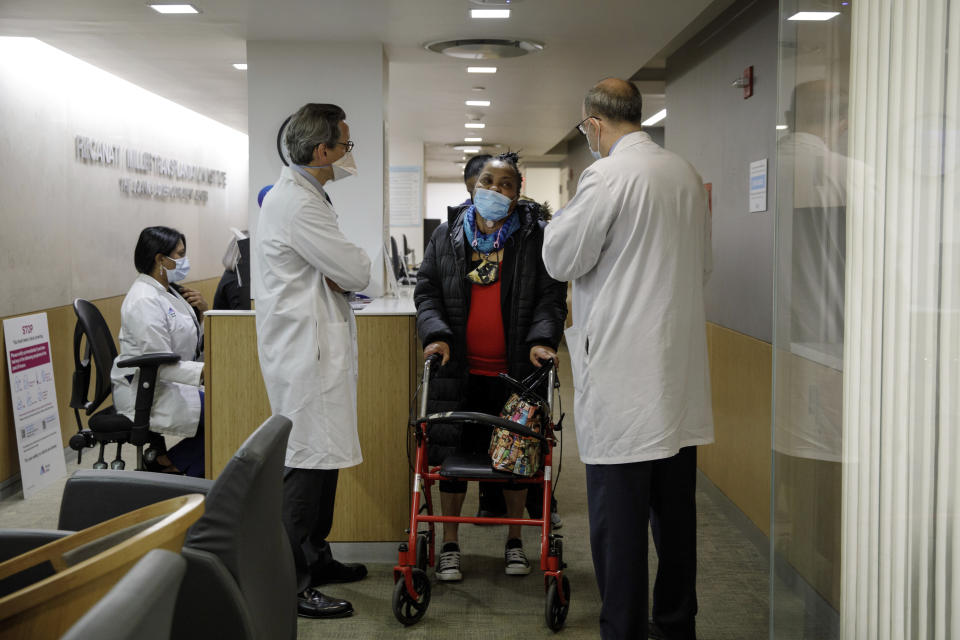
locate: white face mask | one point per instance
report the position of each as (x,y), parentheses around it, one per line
(345,167)
(595,153)
(180,271)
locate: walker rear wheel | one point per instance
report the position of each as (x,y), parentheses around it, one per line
(556,613)
(407,609)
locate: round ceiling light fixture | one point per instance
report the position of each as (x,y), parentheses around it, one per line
(484,48)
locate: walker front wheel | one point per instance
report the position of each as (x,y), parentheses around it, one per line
(406,608)
(556,612)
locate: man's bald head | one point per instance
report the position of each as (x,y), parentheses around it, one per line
(614,100)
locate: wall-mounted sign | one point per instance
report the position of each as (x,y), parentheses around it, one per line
(95,152)
(405,196)
(36,418)
(758,186)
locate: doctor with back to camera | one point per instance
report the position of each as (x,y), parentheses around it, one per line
(307,340)
(635,242)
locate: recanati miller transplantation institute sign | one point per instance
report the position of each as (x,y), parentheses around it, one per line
(148,165)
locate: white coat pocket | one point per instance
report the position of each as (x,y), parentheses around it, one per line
(576,339)
(335,352)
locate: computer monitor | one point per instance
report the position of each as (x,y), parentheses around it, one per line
(243,271)
(429,226)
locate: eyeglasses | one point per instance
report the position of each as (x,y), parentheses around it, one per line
(348,144)
(580,124)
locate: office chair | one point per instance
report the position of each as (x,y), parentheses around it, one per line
(409,258)
(108,426)
(145,596)
(240,581)
(399,268)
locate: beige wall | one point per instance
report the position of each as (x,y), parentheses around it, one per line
(68,229)
(739,460)
(61,321)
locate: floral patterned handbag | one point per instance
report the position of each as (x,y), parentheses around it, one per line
(514,453)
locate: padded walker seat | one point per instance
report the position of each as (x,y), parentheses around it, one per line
(469,466)
(478,465)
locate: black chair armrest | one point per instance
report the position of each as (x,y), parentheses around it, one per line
(13,542)
(148,363)
(148,360)
(92,496)
(210,605)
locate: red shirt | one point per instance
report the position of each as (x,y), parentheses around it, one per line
(486,340)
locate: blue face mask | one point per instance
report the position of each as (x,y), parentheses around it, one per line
(179,272)
(491,205)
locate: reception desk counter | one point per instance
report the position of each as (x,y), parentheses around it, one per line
(373,498)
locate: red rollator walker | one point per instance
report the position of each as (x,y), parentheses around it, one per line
(411,593)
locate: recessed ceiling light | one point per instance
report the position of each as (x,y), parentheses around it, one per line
(478,88)
(477,103)
(481,69)
(473,139)
(475,125)
(655,118)
(240,66)
(490,13)
(174,8)
(466,149)
(814,16)
(782,127)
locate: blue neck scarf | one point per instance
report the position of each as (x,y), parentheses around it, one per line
(483,243)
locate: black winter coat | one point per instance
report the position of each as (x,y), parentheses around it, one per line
(533,304)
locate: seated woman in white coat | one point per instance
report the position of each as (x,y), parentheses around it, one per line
(158,316)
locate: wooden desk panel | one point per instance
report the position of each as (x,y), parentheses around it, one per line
(373,498)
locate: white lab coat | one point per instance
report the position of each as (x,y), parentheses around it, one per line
(306,333)
(635,241)
(157,320)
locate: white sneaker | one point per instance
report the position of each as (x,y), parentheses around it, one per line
(516,561)
(448,567)
(555,520)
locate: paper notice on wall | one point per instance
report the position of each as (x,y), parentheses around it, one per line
(36,418)
(405,196)
(758,186)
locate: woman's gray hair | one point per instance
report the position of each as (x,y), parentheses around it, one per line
(313,124)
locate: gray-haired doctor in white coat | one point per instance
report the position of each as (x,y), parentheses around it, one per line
(307,340)
(635,242)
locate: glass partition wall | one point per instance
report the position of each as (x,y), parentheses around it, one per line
(812,157)
(865,539)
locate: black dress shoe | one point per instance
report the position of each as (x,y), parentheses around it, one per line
(313,604)
(339,572)
(655,632)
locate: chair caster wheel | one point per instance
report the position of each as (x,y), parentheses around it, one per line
(150,456)
(81,440)
(99,465)
(116,465)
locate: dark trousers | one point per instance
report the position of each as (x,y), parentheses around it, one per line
(188,455)
(622,498)
(308,500)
